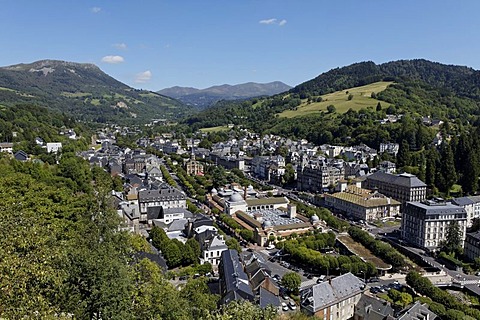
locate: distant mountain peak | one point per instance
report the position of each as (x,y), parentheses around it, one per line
(208,96)
(50,64)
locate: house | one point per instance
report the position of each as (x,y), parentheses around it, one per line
(234,284)
(21,156)
(6,147)
(54,147)
(166,215)
(371,308)
(212,247)
(334,299)
(418,311)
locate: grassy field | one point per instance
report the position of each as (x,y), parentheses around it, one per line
(76,94)
(215,129)
(361,99)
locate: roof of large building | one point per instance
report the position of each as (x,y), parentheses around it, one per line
(364,197)
(404,179)
(162,194)
(475,235)
(235,279)
(267,201)
(330,292)
(463,201)
(432,207)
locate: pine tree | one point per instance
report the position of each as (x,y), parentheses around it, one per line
(403,155)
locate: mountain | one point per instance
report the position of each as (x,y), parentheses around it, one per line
(206,97)
(315,109)
(83,90)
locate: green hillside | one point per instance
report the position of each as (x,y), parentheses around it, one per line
(85,91)
(361,98)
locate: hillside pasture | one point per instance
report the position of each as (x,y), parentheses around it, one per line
(361,98)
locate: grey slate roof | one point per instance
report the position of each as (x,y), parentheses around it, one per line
(330,292)
(418,311)
(404,179)
(370,308)
(475,235)
(162,194)
(267,298)
(463,201)
(430,207)
(234,279)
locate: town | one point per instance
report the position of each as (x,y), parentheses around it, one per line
(329,230)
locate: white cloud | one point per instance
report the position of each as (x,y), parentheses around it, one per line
(268,21)
(143,77)
(96,9)
(282,23)
(121,46)
(113,59)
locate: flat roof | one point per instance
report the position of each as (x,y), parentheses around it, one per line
(266,201)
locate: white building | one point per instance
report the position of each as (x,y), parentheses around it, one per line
(425,224)
(54,147)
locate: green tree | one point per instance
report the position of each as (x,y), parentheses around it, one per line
(331,108)
(172,255)
(379,107)
(292,281)
(403,155)
(453,241)
(232,243)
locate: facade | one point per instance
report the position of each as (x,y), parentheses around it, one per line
(425,224)
(334,299)
(389,147)
(402,187)
(193,167)
(268,168)
(6,147)
(472,245)
(314,178)
(363,204)
(166,197)
(471,206)
(228,162)
(212,248)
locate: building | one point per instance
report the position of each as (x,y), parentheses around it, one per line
(166,197)
(371,308)
(315,178)
(425,224)
(234,284)
(167,215)
(54,147)
(193,167)
(212,246)
(228,162)
(402,187)
(6,147)
(389,147)
(363,204)
(334,299)
(472,245)
(268,168)
(418,311)
(470,205)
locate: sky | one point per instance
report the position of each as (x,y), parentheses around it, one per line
(155,44)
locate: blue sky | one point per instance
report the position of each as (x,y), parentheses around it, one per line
(199,43)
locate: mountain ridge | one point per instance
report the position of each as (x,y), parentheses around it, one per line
(208,96)
(83,90)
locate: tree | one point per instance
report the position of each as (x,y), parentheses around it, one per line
(172,255)
(350,97)
(447,168)
(331,109)
(232,243)
(379,107)
(453,241)
(292,281)
(403,155)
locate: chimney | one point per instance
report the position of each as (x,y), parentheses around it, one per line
(292,210)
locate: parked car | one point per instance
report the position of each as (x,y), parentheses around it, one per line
(292,305)
(284,306)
